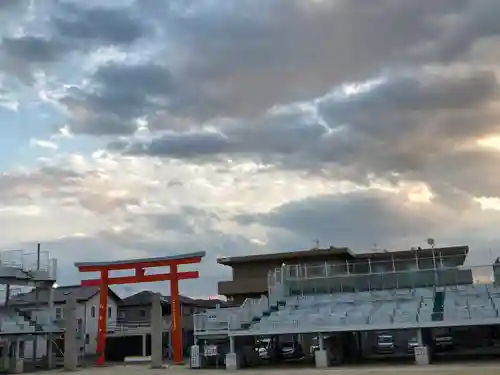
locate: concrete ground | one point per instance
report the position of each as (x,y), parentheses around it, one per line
(489,368)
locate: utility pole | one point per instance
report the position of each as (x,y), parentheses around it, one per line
(35,337)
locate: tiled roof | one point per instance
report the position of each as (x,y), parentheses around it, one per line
(82,293)
(145,298)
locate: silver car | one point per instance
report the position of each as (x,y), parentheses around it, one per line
(385,344)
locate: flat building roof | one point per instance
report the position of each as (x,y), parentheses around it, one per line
(343,252)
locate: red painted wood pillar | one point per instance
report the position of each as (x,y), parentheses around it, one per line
(176,315)
(103,318)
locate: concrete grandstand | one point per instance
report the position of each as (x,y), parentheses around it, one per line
(22,331)
(362,302)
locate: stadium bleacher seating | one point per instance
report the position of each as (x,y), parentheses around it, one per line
(363,310)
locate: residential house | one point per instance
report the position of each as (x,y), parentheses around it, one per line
(137,309)
(87,313)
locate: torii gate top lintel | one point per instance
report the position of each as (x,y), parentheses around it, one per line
(188,258)
(139,266)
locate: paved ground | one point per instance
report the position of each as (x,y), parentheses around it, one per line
(455,369)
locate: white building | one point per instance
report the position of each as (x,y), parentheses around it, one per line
(87,313)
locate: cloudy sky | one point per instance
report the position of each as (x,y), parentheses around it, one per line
(156,127)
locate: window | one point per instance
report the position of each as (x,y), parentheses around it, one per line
(110,312)
(92,312)
(142,313)
(87,339)
(79,325)
(59,313)
(121,314)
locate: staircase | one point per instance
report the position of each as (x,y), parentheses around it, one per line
(438,310)
(27,318)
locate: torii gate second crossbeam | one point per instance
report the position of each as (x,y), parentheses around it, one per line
(139,266)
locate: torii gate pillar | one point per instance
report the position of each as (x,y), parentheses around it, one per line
(139,267)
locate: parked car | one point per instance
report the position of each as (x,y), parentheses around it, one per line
(263,348)
(287,350)
(443,343)
(385,344)
(291,350)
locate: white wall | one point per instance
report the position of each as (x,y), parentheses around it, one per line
(90,323)
(89,326)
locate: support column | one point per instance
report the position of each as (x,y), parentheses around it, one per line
(50,336)
(321,355)
(144,345)
(17,365)
(421,351)
(5,356)
(70,342)
(156,332)
(176,315)
(232,357)
(103,318)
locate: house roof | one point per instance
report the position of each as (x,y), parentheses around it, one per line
(146,297)
(342,251)
(82,293)
(142,298)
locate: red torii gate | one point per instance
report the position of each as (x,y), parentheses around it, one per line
(139,266)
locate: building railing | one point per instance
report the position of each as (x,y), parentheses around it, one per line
(121,327)
(368,266)
(36,264)
(299,279)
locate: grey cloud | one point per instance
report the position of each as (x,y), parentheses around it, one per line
(359,220)
(71,29)
(194,145)
(107,124)
(260,54)
(32,49)
(415,92)
(240,61)
(274,134)
(417,118)
(418,131)
(106,26)
(6,4)
(476,21)
(410,127)
(122,93)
